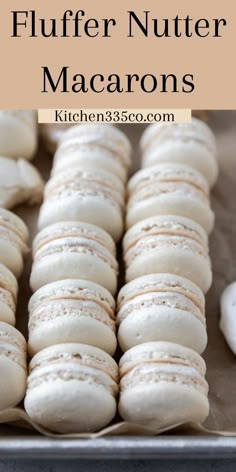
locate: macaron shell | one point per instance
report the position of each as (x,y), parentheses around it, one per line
(9,220)
(11,257)
(7,310)
(73,322)
(175,260)
(163,404)
(73,289)
(192,154)
(160,323)
(74,229)
(104,135)
(66,265)
(161,282)
(8,281)
(87,157)
(196,129)
(13,382)
(178,201)
(70,406)
(228,319)
(84,354)
(18,136)
(93,209)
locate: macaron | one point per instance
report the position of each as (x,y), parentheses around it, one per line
(72,388)
(163,385)
(97,138)
(161,307)
(52,133)
(184,143)
(74,250)
(89,156)
(228,318)
(18,133)
(13,238)
(13,366)
(20,182)
(173,189)
(75,311)
(8,295)
(95,197)
(168,244)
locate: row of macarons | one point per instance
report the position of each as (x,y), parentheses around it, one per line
(91,166)
(153,306)
(158,373)
(73,388)
(68,230)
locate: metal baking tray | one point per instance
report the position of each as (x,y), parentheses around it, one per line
(119,447)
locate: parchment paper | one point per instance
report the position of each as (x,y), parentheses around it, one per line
(221,363)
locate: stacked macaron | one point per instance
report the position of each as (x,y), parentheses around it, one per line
(13,371)
(73,381)
(20,182)
(88,176)
(161,309)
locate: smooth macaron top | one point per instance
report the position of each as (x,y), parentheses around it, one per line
(106,136)
(8,281)
(63,356)
(73,229)
(10,221)
(161,284)
(73,289)
(165,226)
(12,344)
(163,354)
(196,131)
(26,117)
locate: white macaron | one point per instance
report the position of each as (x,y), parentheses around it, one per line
(161,307)
(13,366)
(72,310)
(95,196)
(72,388)
(88,147)
(163,385)
(8,295)
(74,250)
(173,189)
(13,238)
(18,133)
(168,244)
(192,143)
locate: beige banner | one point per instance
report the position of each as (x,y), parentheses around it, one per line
(124,55)
(114,116)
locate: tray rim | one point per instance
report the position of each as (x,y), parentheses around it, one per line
(119,447)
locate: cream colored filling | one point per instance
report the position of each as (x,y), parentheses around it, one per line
(74,232)
(162,242)
(58,310)
(161,286)
(77,293)
(77,246)
(67,375)
(168,228)
(144,375)
(79,358)
(168,300)
(83,189)
(159,189)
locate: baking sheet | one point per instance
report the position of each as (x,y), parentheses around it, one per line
(220,361)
